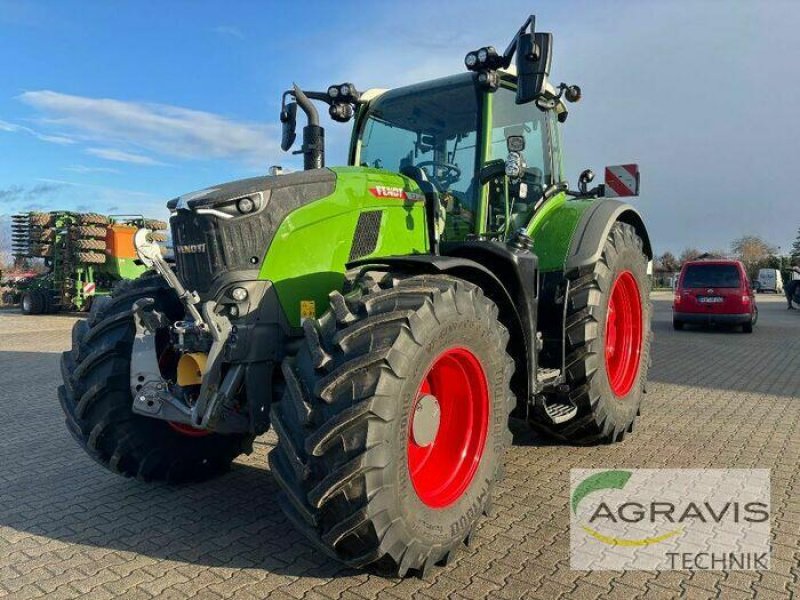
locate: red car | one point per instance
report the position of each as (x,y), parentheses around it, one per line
(714,292)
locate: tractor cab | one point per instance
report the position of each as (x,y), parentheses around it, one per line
(469,143)
(483,145)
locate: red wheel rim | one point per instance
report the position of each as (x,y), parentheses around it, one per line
(187,430)
(442,471)
(623,334)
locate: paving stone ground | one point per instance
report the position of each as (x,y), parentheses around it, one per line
(69,529)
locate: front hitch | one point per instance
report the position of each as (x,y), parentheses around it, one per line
(149,252)
(152,393)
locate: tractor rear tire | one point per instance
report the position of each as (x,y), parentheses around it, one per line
(96,398)
(82,244)
(608,343)
(89,231)
(349,434)
(33,302)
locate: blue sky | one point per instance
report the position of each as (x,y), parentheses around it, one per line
(119,106)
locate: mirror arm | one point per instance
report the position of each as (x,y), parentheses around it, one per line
(512,47)
(597,191)
(313,149)
(307,106)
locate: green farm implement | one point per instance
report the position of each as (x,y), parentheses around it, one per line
(385,318)
(84,254)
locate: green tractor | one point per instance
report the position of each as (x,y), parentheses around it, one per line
(386,318)
(84,255)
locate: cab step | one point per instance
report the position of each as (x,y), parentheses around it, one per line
(558,407)
(547,376)
(560,411)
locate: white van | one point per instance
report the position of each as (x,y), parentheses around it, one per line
(770,280)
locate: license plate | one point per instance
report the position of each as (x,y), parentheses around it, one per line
(709,299)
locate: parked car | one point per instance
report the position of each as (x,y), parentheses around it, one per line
(770,280)
(714,292)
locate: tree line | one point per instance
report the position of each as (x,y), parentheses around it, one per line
(754,252)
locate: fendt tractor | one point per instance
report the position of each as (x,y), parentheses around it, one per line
(85,255)
(386,318)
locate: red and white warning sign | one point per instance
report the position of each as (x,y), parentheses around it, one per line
(88,289)
(622,180)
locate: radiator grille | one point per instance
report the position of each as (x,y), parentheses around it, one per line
(206,247)
(365,238)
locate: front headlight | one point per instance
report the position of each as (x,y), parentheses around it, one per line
(235,207)
(245,205)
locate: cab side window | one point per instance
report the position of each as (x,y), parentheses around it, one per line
(510,118)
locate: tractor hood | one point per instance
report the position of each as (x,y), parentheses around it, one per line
(292,187)
(214,240)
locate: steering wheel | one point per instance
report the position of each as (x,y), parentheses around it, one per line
(452,173)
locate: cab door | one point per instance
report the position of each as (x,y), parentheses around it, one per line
(510,207)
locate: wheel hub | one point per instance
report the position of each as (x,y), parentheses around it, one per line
(425,420)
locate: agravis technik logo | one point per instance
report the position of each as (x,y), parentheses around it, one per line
(613,480)
(670,519)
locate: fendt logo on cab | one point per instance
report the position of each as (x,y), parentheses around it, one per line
(381,191)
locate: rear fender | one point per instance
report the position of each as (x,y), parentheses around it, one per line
(593,227)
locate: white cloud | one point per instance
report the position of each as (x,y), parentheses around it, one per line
(53,139)
(83,169)
(120,156)
(229,31)
(161,129)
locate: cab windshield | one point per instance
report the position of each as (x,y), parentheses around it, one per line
(432,126)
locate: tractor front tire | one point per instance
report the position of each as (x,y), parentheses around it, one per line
(394,422)
(96,398)
(608,343)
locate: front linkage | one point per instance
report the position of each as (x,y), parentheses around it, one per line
(200,342)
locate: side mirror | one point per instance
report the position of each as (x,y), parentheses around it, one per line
(533,65)
(586,177)
(289,125)
(621,181)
